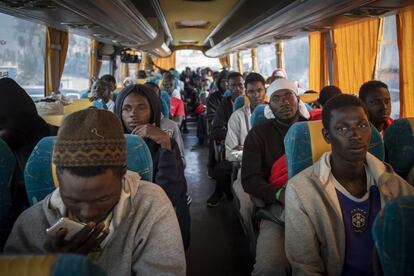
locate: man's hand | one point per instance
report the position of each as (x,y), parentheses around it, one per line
(84,242)
(154,133)
(238,147)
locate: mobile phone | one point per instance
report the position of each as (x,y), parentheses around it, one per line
(72,226)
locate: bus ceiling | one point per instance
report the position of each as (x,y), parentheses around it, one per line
(216,27)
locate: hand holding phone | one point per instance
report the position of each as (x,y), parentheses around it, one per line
(71,226)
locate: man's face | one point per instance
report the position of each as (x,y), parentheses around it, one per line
(90,198)
(378,103)
(136,111)
(349,133)
(256,92)
(100,89)
(223,84)
(236,87)
(284,104)
(168,85)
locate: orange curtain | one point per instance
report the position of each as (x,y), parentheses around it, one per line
(405,38)
(165,63)
(318,61)
(279,55)
(55,56)
(94,64)
(239,62)
(144,62)
(254,60)
(355,53)
(225,61)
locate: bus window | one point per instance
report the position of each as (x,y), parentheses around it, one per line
(296,57)
(234,62)
(75,77)
(266,59)
(22,46)
(194,59)
(246,56)
(388,67)
(105,67)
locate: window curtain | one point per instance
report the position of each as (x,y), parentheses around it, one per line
(355,53)
(56,48)
(239,63)
(165,63)
(144,62)
(225,61)
(94,64)
(405,38)
(279,55)
(318,61)
(254,60)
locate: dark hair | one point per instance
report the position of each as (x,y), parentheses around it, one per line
(233,75)
(338,102)
(327,93)
(253,77)
(86,172)
(108,78)
(169,77)
(142,74)
(310,92)
(369,87)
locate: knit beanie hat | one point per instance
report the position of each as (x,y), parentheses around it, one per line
(90,138)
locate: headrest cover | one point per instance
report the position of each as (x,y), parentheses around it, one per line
(89,138)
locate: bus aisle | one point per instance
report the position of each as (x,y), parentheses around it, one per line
(218,244)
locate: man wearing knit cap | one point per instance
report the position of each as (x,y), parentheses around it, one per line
(262,147)
(130,224)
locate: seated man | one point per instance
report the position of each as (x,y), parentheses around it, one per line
(222,170)
(330,206)
(325,94)
(101,91)
(262,147)
(377,99)
(177,105)
(131,228)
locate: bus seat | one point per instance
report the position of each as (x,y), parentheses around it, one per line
(76,106)
(114,95)
(7,167)
(239,102)
(166,97)
(399,143)
(258,115)
(304,145)
(308,107)
(54,120)
(100,104)
(164,109)
(308,98)
(140,81)
(62,265)
(227,93)
(84,95)
(38,174)
(393,236)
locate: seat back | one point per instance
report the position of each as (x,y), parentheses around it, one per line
(164,109)
(53,265)
(38,174)
(305,144)
(167,99)
(258,115)
(239,102)
(227,93)
(399,143)
(100,104)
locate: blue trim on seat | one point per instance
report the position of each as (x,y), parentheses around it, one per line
(238,103)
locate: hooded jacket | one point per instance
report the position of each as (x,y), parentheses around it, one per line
(168,171)
(213,100)
(18,115)
(314,228)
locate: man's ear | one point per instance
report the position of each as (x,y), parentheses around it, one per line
(326,135)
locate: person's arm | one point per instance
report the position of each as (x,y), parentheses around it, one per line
(211,105)
(253,176)
(179,140)
(301,242)
(163,252)
(219,129)
(233,147)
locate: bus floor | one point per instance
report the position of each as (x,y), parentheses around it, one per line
(218,244)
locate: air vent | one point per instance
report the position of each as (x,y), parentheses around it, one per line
(192,24)
(187,41)
(79,25)
(30,4)
(367,12)
(282,37)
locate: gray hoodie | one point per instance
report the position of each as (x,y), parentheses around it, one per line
(145,238)
(315,232)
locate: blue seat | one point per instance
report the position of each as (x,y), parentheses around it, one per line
(56,265)
(38,173)
(399,143)
(393,237)
(164,108)
(258,115)
(7,168)
(84,95)
(167,99)
(239,102)
(304,145)
(227,93)
(100,104)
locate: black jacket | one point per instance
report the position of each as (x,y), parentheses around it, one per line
(221,118)
(262,147)
(168,169)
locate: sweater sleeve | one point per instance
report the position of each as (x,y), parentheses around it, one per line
(301,242)
(164,251)
(219,123)
(252,172)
